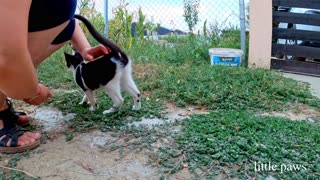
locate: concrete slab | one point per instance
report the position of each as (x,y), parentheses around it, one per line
(313,81)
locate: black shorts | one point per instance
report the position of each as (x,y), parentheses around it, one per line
(66,34)
(46,14)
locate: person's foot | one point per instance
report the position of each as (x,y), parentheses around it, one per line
(23,119)
(13,138)
(24,139)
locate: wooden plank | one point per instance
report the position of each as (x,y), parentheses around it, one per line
(294,34)
(296,18)
(260,33)
(310,4)
(296,50)
(296,67)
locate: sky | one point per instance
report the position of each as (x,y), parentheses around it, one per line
(169,13)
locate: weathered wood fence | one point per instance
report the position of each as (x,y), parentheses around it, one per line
(265,33)
(300,51)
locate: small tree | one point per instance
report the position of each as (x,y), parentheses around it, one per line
(191,11)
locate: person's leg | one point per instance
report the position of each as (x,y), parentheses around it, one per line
(58,42)
(51,49)
(40,48)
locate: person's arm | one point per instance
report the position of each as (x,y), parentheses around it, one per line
(17,75)
(80,42)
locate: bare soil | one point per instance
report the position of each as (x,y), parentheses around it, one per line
(300,112)
(81,158)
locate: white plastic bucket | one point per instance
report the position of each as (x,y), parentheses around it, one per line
(225,56)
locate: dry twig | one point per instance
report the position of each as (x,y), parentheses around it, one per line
(17,170)
(178,163)
(211,167)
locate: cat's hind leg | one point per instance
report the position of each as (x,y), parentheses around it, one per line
(114,91)
(84,99)
(92,100)
(129,86)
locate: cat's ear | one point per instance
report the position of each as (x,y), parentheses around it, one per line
(74,49)
(68,59)
(68,56)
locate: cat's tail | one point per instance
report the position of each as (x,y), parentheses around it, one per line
(115,50)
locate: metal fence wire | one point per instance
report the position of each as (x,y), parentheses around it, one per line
(170,14)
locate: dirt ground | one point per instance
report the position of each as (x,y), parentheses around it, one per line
(81,158)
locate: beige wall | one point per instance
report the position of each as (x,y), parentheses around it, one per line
(260,33)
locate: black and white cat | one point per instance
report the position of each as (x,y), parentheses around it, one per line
(110,72)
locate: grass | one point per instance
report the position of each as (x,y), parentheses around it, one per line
(15,174)
(225,143)
(171,75)
(86,120)
(219,88)
(181,50)
(232,142)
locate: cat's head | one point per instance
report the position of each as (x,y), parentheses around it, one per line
(73,60)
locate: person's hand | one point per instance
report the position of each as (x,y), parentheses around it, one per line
(92,53)
(43,95)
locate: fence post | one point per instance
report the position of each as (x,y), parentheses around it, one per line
(106,18)
(243,27)
(260,33)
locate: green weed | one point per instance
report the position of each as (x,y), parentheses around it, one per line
(225,143)
(231,142)
(11,173)
(219,87)
(86,120)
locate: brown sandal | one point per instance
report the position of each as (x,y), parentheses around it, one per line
(13,134)
(11,131)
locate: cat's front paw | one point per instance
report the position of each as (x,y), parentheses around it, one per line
(92,108)
(136,107)
(83,103)
(111,110)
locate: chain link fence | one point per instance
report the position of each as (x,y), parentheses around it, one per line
(219,14)
(214,16)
